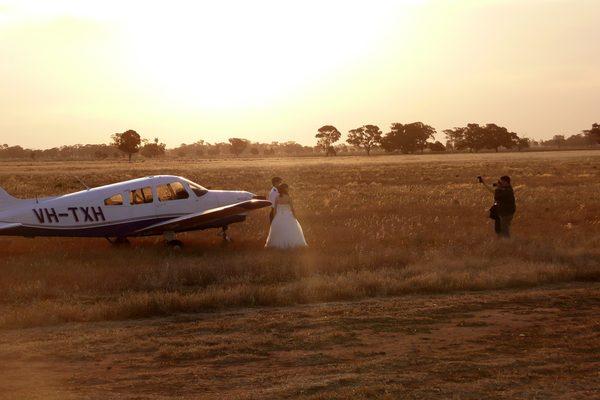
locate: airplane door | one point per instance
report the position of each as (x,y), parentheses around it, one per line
(142,207)
(173,200)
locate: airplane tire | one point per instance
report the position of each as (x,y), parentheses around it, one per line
(175,244)
(118,241)
(122,240)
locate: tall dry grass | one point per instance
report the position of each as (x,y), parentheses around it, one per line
(376,227)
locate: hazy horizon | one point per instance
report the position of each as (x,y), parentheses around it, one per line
(79,71)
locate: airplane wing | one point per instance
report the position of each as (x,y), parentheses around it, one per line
(191,221)
(8,225)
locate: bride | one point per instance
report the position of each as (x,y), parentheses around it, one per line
(285,232)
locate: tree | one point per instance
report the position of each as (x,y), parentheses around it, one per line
(594,133)
(455,138)
(254,151)
(523,143)
(327,135)
(396,139)
(407,138)
(437,146)
(181,152)
(100,155)
(366,137)
(576,140)
(475,137)
(471,137)
(498,136)
(289,147)
(420,133)
(342,148)
(15,152)
(128,142)
(558,140)
(154,149)
(238,145)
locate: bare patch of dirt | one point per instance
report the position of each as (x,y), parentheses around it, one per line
(541,343)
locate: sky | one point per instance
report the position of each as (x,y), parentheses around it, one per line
(77,71)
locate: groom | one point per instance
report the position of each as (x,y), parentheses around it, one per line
(273,195)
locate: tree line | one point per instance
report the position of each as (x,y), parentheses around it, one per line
(418,136)
(401,138)
(130,143)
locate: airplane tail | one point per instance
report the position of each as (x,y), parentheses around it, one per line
(6,200)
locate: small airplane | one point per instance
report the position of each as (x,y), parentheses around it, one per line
(154,205)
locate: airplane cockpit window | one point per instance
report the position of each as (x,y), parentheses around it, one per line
(172,191)
(198,190)
(116,200)
(141,196)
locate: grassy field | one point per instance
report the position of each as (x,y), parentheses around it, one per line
(380,226)
(537,343)
(404,291)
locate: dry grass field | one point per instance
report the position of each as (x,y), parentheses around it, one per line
(401,244)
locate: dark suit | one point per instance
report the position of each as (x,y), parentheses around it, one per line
(505,210)
(272,199)
(271,215)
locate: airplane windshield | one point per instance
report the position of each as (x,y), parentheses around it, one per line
(197,189)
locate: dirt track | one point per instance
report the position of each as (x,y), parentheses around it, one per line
(537,343)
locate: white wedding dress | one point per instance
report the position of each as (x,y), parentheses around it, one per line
(285,232)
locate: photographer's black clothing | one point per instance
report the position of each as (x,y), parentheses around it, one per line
(504,200)
(502,225)
(504,209)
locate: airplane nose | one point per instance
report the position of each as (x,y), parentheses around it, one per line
(230,196)
(243,196)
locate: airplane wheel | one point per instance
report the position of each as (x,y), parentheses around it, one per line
(225,236)
(118,241)
(175,244)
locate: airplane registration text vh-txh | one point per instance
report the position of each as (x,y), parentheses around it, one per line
(154,205)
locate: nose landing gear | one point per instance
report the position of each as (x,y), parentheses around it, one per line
(171,240)
(118,241)
(225,236)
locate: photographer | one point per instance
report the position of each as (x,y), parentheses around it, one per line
(504,207)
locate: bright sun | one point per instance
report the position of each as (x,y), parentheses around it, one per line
(248,54)
(230,53)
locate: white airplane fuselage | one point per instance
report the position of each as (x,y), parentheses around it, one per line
(119,210)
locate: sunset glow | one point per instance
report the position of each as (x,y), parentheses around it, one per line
(78,71)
